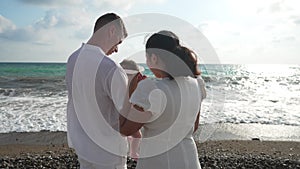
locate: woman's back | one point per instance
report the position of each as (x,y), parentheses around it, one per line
(167,109)
(168,116)
(168,138)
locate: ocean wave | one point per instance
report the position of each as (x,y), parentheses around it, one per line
(33,113)
(38,80)
(8,85)
(27,92)
(7,92)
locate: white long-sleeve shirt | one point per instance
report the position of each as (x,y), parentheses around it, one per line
(96,92)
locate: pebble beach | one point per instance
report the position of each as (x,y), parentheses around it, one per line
(47,149)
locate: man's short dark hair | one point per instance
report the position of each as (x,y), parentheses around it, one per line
(108,18)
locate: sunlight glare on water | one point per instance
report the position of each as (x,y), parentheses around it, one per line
(270,70)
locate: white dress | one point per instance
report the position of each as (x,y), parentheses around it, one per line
(167,141)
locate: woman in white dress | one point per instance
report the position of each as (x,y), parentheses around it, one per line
(167,107)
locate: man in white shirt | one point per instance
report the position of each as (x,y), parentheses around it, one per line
(96,94)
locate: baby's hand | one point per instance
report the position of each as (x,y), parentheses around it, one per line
(140,77)
(133,84)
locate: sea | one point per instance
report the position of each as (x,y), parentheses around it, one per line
(33,96)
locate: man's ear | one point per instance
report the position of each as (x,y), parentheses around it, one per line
(112,30)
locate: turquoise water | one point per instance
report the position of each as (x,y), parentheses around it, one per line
(33,96)
(32,69)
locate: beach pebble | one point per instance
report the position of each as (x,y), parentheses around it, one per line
(68,160)
(255,139)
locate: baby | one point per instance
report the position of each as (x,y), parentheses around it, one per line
(132,70)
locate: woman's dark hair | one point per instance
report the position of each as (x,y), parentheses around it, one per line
(179,60)
(170,34)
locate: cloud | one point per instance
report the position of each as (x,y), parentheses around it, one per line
(203,26)
(41,43)
(6,25)
(297,21)
(289,38)
(21,34)
(62,18)
(83,33)
(68,20)
(220,29)
(256,42)
(41,31)
(100,4)
(284,39)
(119,4)
(10,32)
(78,16)
(51,19)
(276,7)
(52,3)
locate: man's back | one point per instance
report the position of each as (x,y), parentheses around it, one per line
(79,131)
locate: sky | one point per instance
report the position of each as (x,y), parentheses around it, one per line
(239,31)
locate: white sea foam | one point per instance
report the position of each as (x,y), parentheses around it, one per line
(33,113)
